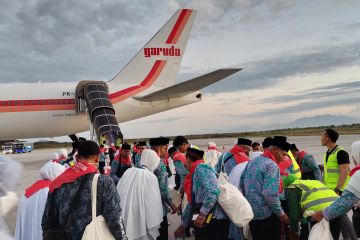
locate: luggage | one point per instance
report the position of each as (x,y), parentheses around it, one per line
(234,204)
(321,231)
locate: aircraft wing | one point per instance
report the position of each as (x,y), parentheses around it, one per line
(190,86)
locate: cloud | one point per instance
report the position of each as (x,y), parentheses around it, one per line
(340,89)
(340,86)
(48,26)
(306,106)
(271,71)
(70,40)
(231,13)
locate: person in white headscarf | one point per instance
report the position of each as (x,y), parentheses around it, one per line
(140,199)
(10,172)
(32,203)
(60,157)
(212,154)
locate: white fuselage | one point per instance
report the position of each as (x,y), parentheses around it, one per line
(49,120)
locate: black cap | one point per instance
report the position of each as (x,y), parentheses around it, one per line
(195,153)
(267,142)
(180,140)
(244,141)
(280,142)
(88,148)
(125,146)
(160,141)
(140,144)
(293,147)
(171,150)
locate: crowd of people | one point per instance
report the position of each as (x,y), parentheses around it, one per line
(286,188)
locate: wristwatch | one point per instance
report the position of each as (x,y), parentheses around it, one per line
(337,191)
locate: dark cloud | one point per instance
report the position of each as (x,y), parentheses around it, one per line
(70,40)
(341,89)
(340,86)
(232,13)
(309,105)
(74,40)
(270,72)
(46,26)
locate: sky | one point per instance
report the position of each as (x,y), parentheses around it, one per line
(299,58)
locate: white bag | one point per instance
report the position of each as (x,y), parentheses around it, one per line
(321,231)
(8,202)
(234,204)
(98,228)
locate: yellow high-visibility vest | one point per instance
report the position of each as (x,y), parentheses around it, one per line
(315,195)
(332,170)
(296,169)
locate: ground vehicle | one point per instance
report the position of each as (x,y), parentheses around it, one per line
(22,147)
(7,147)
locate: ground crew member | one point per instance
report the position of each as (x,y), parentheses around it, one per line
(336,162)
(308,166)
(312,195)
(295,166)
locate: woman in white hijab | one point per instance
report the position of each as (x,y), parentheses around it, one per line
(32,203)
(140,199)
(350,196)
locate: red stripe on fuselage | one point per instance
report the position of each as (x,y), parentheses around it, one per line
(179,26)
(36,108)
(69,104)
(36,105)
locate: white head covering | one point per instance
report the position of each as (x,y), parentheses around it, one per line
(149,159)
(140,202)
(355,151)
(51,170)
(63,152)
(354,184)
(211,144)
(55,156)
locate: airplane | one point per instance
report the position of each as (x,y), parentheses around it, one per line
(145,86)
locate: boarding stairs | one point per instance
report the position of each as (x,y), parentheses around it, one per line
(92,98)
